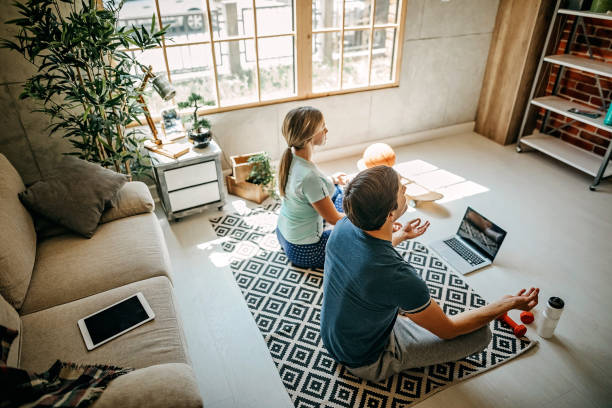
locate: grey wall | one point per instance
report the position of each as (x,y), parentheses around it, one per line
(446,44)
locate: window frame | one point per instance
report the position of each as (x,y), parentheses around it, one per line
(303,40)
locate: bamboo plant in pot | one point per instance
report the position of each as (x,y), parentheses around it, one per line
(85,80)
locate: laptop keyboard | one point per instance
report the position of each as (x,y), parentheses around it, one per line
(464,252)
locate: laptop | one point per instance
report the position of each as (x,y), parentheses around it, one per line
(474,246)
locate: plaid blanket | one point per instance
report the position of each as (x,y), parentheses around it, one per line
(63,385)
(6,339)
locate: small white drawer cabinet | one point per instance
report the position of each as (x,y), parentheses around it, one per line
(190,183)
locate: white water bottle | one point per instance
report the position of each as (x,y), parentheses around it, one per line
(550,317)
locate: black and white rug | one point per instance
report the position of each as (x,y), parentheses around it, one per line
(286,303)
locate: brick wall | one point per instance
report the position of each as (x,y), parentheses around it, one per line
(581,86)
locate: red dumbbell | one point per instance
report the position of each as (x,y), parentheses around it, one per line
(519,329)
(527,317)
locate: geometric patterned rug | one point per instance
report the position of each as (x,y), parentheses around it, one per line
(286,303)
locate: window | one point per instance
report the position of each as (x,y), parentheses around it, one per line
(244,53)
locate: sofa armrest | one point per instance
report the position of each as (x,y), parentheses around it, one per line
(163,385)
(132,199)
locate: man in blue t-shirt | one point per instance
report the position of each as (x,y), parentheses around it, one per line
(377,317)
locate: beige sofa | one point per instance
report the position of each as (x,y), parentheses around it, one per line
(47,286)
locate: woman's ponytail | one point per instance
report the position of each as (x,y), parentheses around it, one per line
(283,170)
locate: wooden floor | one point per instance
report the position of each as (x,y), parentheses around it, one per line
(559,238)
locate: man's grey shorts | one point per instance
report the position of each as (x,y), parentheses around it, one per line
(412,346)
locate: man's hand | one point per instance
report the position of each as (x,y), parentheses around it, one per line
(436,321)
(339,178)
(412,230)
(523,300)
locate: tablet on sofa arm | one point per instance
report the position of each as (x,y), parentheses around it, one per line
(114,320)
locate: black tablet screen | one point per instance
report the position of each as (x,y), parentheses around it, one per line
(115,319)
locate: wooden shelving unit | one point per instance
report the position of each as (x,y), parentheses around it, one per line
(562,106)
(574,156)
(588,14)
(583,64)
(581,159)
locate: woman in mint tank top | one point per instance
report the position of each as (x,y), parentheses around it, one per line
(308,196)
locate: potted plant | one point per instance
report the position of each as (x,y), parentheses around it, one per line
(199,131)
(262,173)
(85,82)
(260,183)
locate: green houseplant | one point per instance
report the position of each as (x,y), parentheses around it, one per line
(87,85)
(200,131)
(196,101)
(262,173)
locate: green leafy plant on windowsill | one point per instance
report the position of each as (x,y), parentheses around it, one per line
(85,81)
(263,173)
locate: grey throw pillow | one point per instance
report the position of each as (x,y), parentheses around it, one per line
(75,194)
(46,228)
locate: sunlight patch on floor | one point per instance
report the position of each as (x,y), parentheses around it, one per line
(220,259)
(266,222)
(240,206)
(265,238)
(426,177)
(242,250)
(414,167)
(461,190)
(212,243)
(436,179)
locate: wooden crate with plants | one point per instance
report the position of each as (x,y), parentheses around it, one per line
(253,177)
(241,166)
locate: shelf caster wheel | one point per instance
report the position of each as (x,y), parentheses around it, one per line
(592,188)
(519,149)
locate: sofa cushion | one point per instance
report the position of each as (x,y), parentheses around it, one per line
(46,228)
(9,318)
(132,199)
(75,194)
(160,386)
(69,267)
(17,240)
(53,333)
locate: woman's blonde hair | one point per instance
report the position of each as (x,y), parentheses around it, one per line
(299,128)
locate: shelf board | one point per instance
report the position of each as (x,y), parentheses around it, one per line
(559,105)
(602,16)
(581,63)
(574,156)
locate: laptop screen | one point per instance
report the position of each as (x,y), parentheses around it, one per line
(481,233)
